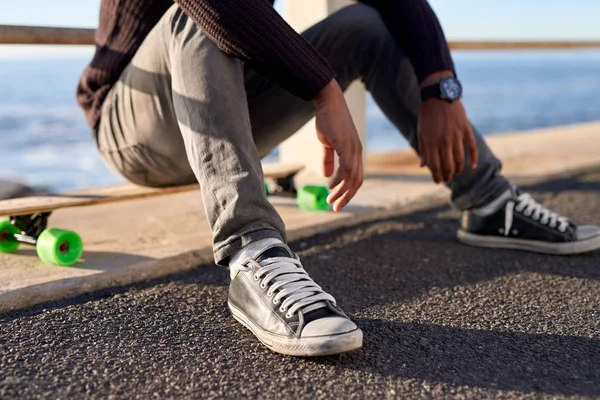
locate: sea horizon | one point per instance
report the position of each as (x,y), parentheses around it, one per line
(47,143)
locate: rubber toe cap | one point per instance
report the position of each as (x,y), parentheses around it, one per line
(328,326)
(585,232)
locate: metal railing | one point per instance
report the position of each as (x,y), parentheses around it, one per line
(13,34)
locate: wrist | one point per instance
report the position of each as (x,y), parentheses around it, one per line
(441,85)
(329,93)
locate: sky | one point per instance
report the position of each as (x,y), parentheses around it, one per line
(461,20)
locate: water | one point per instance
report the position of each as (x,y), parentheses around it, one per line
(45,141)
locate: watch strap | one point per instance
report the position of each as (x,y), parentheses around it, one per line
(431,91)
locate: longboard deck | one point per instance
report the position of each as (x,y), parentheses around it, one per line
(36,204)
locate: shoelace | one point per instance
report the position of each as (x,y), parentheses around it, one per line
(293,282)
(531,208)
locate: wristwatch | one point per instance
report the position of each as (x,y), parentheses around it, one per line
(448,89)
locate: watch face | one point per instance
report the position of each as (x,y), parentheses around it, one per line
(451,89)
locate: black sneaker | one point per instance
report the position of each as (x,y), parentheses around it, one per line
(274,297)
(524,224)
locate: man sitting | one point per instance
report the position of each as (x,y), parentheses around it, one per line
(201,90)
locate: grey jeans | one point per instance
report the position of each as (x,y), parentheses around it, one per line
(183,111)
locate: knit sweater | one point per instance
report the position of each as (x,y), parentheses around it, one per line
(254,32)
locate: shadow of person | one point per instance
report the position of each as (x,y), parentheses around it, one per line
(402,258)
(208,275)
(436,310)
(499,360)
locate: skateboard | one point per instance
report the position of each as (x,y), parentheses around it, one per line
(24,220)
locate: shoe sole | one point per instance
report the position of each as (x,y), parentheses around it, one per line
(311,347)
(569,248)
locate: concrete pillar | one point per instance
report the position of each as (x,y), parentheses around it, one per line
(303,146)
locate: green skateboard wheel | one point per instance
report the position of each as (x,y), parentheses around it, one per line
(266,187)
(8,244)
(57,246)
(313,198)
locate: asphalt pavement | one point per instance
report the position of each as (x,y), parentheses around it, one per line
(441,320)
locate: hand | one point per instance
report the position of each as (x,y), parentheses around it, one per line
(337,134)
(444,132)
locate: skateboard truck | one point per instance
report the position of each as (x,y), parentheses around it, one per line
(53,246)
(31,227)
(283,187)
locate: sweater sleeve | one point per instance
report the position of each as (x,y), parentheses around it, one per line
(254,32)
(417,30)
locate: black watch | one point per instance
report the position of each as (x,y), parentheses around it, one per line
(448,89)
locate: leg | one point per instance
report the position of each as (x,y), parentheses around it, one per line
(495,214)
(357,44)
(169,122)
(182,106)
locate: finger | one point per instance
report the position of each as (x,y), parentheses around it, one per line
(328,161)
(354,186)
(341,173)
(341,179)
(459,156)
(344,192)
(343,200)
(347,195)
(447,160)
(433,158)
(471,147)
(338,191)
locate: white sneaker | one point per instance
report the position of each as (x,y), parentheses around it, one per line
(522,223)
(273,296)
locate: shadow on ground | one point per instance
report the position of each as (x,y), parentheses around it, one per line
(94,260)
(514,361)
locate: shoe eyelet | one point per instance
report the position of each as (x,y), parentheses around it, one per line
(281,309)
(263,286)
(288,315)
(275,301)
(256,278)
(269,294)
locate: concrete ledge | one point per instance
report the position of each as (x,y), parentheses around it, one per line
(71,287)
(155,268)
(150,238)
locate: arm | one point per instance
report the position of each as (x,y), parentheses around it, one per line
(444,130)
(417,30)
(250,30)
(254,32)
